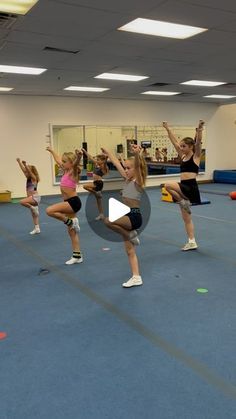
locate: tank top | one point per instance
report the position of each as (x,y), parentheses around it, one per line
(68,182)
(189,166)
(30,185)
(131,190)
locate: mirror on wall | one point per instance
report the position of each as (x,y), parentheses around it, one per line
(159,153)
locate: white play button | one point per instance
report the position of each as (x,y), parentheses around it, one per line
(117,209)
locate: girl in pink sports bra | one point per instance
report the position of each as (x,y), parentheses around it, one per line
(66,211)
(33,199)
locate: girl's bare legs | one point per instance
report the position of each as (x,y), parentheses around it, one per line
(123,227)
(189,227)
(90,188)
(74,240)
(179,197)
(32,205)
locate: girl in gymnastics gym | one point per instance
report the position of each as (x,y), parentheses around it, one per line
(66,211)
(32,200)
(96,187)
(186,192)
(134,174)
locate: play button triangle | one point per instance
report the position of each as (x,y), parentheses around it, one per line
(116,209)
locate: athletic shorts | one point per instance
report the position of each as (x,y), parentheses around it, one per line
(189,188)
(135,217)
(36,198)
(74,202)
(98,185)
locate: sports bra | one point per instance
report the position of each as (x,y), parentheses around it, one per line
(131,191)
(68,182)
(98,171)
(30,185)
(189,166)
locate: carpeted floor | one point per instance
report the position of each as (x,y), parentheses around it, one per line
(79,346)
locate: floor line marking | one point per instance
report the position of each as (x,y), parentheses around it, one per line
(198,367)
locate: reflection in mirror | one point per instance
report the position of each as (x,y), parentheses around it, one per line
(159,153)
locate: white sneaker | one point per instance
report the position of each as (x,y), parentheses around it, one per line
(185,205)
(35,231)
(190,246)
(73,260)
(75,224)
(100,217)
(133,282)
(35,210)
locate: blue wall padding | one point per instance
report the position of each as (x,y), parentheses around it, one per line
(224,176)
(172,170)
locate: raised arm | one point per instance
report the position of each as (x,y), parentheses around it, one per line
(115,161)
(22,165)
(55,156)
(198,138)
(139,161)
(172,138)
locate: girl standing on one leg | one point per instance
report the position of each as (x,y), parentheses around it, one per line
(66,211)
(186,192)
(100,170)
(33,198)
(134,173)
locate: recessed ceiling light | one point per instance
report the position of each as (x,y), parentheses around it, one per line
(220,96)
(203,83)
(159,28)
(19,7)
(155,92)
(86,89)
(124,77)
(5,89)
(21,70)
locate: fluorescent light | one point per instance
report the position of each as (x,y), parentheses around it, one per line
(159,28)
(5,89)
(124,77)
(203,83)
(87,89)
(220,96)
(19,7)
(21,70)
(155,92)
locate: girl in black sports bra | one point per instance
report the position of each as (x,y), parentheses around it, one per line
(96,187)
(186,191)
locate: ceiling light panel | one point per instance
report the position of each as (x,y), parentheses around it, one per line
(6,89)
(159,28)
(86,89)
(159,93)
(220,96)
(21,70)
(18,7)
(123,77)
(203,83)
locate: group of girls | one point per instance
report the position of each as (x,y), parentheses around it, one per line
(134,173)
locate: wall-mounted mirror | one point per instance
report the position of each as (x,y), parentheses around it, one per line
(159,153)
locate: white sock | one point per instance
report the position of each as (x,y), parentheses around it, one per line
(192,240)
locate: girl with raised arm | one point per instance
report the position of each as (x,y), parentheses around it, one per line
(66,211)
(96,187)
(33,198)
(186,192)
(134,173)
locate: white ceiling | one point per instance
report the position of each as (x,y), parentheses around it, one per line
(90,27)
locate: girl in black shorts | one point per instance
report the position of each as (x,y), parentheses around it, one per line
(95,187)
(186,192)
(134,174)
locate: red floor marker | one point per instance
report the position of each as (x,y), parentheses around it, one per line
(3,335)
